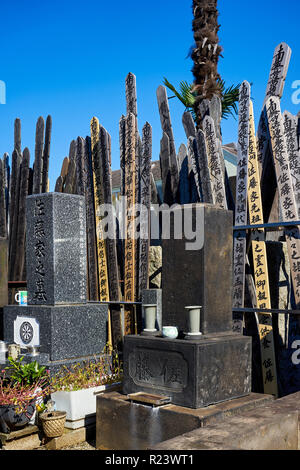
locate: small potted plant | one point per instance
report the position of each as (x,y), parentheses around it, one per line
(18,401)
(74,390)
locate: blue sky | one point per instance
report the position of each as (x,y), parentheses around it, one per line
(70,59)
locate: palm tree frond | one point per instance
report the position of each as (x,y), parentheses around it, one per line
(184,95)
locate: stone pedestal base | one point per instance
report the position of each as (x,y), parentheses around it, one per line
(64,333)
(123,425)
(193,374)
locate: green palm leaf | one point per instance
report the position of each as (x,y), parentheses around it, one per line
(229,97)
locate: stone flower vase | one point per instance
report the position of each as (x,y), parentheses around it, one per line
(193,321)
(150,318)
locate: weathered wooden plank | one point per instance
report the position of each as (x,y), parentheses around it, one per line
(6,175)
(278,72)
(16,160)
(129,245)
(138,157)
(14,210)
(206,182)
(188,124)
(90,222)
(285,187)
(193,155)
(145,172)
(260,267)
(98,200)
(131,107)
(214,163)
(213,108)
(165,119)
(3,232)
(70,181)
(164,158)
(72,150)
(130,91)
(275,86)
(3,272)
(79,157)
(59,185)
(111,249)
(46,154)
(122,153)
(38,160)
(184,186)
(21,227)
(114,324)
(17,136)
(290,133)
(155,198)
(239,237)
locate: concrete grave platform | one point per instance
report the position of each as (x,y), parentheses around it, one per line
(122,425)
(274,426)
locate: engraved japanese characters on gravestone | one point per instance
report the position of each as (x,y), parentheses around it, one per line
(239,240)
(56,252)
(57,316)
(168,371)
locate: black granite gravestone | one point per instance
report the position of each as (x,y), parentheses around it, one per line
(217,366)
(57,318)
(200,276)
(56,249)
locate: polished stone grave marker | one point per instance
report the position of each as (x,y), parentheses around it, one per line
(217,366)
(199,277)
(57,318)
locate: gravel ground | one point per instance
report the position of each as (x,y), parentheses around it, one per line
(82,446)
(91,445)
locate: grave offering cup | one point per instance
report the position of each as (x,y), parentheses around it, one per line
(150,318)
(170,332)
(21,297)
(193,321)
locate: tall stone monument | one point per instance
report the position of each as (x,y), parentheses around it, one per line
(194,372)
(58,319)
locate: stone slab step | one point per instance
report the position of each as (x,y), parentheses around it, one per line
(271,427)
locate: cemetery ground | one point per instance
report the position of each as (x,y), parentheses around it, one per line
(107,349)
